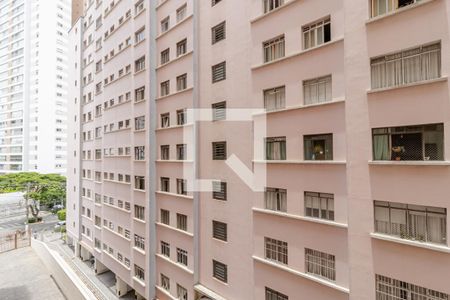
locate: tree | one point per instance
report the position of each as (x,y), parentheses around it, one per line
(61,215)
(41,189)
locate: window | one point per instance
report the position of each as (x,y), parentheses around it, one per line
(181,47)
(316,34)
(389,288)
(420,142)
(139,153)
(214,2)
(139,94)
(165,24)
(165,184)
(139,64)
(319,205)
(139,123)
(182,293)
(276,250)
(220,271)
(181,117)
(219,150)
(165,216)
(275,199)
(165,282)
(165,249)
(219,111)
(271,5)
(219,190)
(165,152)
(182,222)
(411,222)
(181,13)
(139,242)
(138,7)
(181,152)
(182,256)
(273,49)
(181,186)
(165,88)
(165,56)
(139,273)
(320,263)
(219,72)
(139,212)
(317,90)
(218,32)
(274,295)
(165,120)
(139,36)
(406,67)
(276,148)
(318,147)
(381,7)
(219,230)
(139,183)
(275,98)
(182,82)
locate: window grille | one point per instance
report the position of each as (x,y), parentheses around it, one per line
(139,242)
(274,295)
(219,72)
(165,184)
(181,117)
(139,273)
(218,32)
(320,263)
(165,88)
(182,256)
(219,150)
(182,82)
(181,186)
(182,293)
(165,120)
(276,250)
(165,282)
(181,13)
(220,271)
(219,230)
(181,152)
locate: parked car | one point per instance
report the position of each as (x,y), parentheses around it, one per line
(60,224)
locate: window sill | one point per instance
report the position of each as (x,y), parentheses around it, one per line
(161,3)
(419,83)
(297,217)
(139,13)
(174,94)
(139,130)
(333,101)
(174,161)
(303,275)
(139,250)
(174,60)
(388,238)
(115,55)
(116,207)
(116,233)
(139,160)
(113,257)
(115,181)
(398,11)
(409,163)
(174,26)
(207,292)
(302,162)
(139,190)
(305,51)
(182,267)
(139,72)
(175,229)
(139,281)
(160,288)
(116,105)
(173,127)
(174,195)
(140,42)
(273,11)
(139,220)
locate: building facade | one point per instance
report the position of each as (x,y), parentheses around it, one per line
(267,149)
(33,85)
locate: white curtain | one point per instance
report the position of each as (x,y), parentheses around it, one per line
(436,228)
(381,147)
(382,219)
(431,62)
(417,225)
(411,68)
(398,222)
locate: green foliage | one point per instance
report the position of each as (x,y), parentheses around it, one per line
(61,215)
(34,220)
(45,188)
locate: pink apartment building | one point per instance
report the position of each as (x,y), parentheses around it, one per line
(338,110)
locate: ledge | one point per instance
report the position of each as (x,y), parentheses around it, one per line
(138,281)
(174,60)
(423,163)
(207,292)
(303,275)
(139,250)
(429,246)
(139,220)
(113,257)
(174,26)
(116,207)
(419,83)
(273,11)
(297,217)
(329,103)
(287,57)
(302,162)
(161,289)
(182,267)
(173,127)
(174,161)
(398,11)
(116,233)
(174,229)
(174,94)
(174,195)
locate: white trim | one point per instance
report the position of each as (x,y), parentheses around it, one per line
(163,290)
(287,109)
(302,162)
(182,267)
(273,11)
(397,11)
(174,26)
(174,94)
(420,163)
(175,229)
(429,246)
(174,60)
(207,292)
(418,83)
(174,194)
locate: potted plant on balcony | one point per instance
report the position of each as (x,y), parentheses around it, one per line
(398,151)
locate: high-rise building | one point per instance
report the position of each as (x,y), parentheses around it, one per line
(262,149)
(33,85)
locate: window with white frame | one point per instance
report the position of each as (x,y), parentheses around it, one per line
(275,199)
(320,263)
(182,256)
(165,216)
(274,295)
(276,250)
(165,56)
(181,186)
(270,5)
(318,147)
(165,282)
(182,293)
(274,49)
(317,90)
(139,123)
(181,117)
(319,205)
(181,13)
(412,222)
(165,88)
(165,184)
(181,151)
(218,32)
(139,212)
(165,24)
(181,47)
(139,183)
(165,249)
(406,67)
(182,222)
(139,153)
(182,82)
(165,152)
(275,148)
(382,7)
(139,64)
(139,36)
(139,242)
(317,33)
(138,7)
(139,273)
(165,120)
(275,98)
(139,94)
